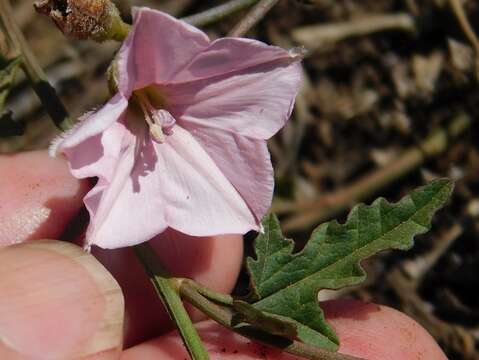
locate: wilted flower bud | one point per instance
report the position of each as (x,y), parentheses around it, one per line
(85,19)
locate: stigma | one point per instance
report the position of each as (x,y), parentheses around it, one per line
(159,121)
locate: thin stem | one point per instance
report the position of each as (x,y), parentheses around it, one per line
(217,13)
(220,314)
(47,94)
(458,10)
(253,17)
(119,30)
(168,294)
(224,316)
(223,299)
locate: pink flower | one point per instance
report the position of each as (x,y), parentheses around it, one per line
(182,144)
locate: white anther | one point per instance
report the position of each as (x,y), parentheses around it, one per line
(157,133)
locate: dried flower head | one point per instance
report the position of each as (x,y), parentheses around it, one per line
(85,19)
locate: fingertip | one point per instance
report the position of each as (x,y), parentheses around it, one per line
(112,354)
(221,344)
(212,260)
(57,302)
(378,332)
(368,331)
(39,196)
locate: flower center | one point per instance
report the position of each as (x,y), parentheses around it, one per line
(160,121)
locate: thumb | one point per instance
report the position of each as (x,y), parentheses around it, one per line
(57,302)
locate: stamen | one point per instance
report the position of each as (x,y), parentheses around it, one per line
(157,133)
(151,116)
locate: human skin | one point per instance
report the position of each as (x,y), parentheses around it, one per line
(51,307)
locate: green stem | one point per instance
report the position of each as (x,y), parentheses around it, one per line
(223,299)
(217,13)
(118,30)
(252,18)
(166,288)
(47,94)
(224,316)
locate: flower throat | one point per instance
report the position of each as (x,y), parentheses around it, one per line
(159,120)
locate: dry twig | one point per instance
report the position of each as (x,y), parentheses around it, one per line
(219,12)
(43,89)
(253,17)
(318,210)
(315,36)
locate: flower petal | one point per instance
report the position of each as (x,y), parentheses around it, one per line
(174,184)
(128,210)
(199,199)
(227,55)
(94,123)
(255,102)
(157,46)
(97,156)
(245,162)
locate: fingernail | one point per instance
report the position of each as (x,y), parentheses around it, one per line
(57,302)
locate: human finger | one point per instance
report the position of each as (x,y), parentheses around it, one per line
(213,261)
(39,199)
(368,331)
(38,196)
(57,302)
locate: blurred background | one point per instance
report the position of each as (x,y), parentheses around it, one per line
(390,101)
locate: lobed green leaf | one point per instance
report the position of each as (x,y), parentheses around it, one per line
(287,284)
